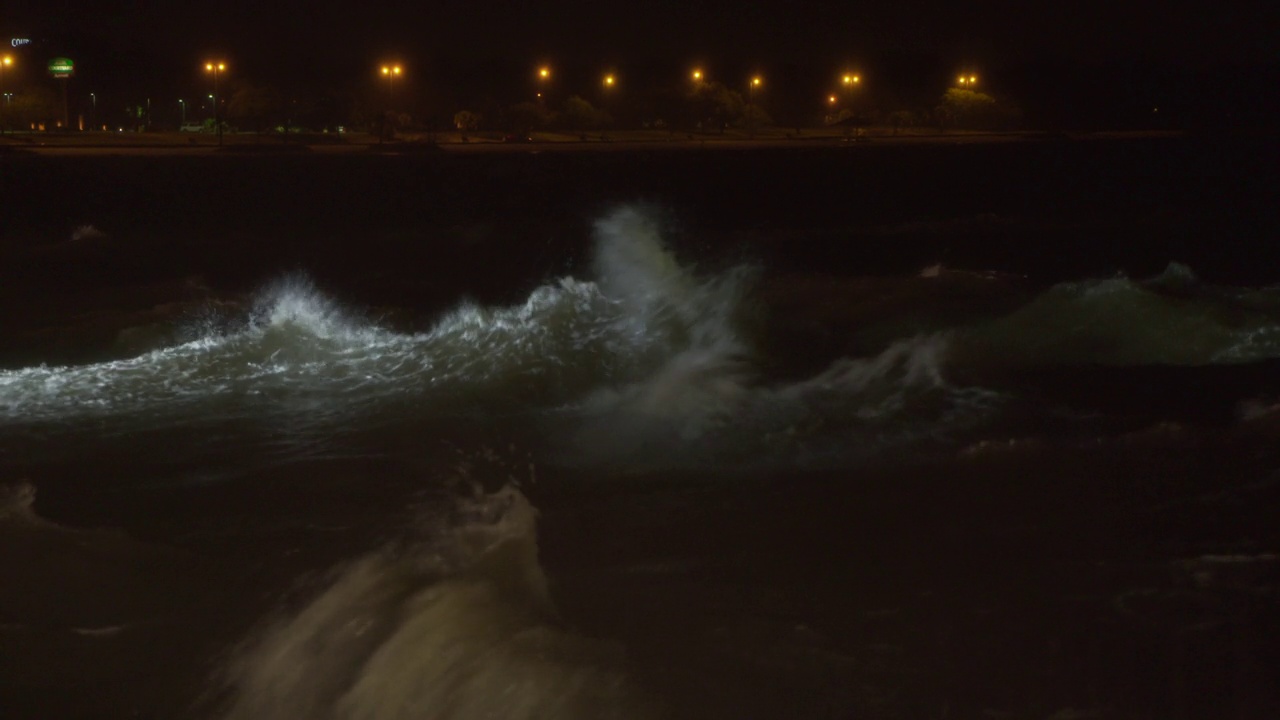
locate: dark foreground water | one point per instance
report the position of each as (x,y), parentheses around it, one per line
(984,431)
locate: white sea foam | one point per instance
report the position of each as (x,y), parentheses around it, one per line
(459,626)
(297,344)
(647,353)
(1171,319)
(17,505)
(706,409)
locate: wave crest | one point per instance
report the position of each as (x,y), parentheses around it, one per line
(458,627)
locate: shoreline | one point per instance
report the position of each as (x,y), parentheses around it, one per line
(173,143)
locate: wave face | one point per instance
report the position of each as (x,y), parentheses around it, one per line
(293,432)
(646,351)
(458,625)
(299,350)
(1172,319)
(645,361)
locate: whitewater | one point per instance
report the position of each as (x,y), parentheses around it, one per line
(654,488)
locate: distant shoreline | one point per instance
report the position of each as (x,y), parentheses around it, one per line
(452,142)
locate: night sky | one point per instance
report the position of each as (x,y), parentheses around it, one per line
(459,48)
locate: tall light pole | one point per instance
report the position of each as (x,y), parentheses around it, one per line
(390,72)
(544,77)
(217,68)
(5,62)
(182,104)
(755,82)
(93,117)
(696,104)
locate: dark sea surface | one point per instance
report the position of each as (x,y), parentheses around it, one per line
(914,431)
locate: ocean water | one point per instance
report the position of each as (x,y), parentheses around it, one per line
(661,483)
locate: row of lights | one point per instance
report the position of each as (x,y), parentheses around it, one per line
(544,73)
(392,71)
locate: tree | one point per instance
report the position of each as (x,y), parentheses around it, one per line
(975,110)
(582,115)
(254,106)
(754,117)
(466,121)
(715,106)
(524,117)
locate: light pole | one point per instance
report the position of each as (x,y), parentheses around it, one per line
(182,105)
(754,83)
(5,62)
(390,72)
(217,68)
(93,116)
(697,107)
(849,81)
(544,77)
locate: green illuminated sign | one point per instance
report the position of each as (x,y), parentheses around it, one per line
(62,67)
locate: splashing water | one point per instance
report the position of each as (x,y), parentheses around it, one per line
(296,344)
(459,626)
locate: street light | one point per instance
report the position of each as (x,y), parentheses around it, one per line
(850,80)
(216,67)
(608,81)
(755,82)
(183,105)
(542,77)
(964,80)
(697,76)
(390,72)
(5,62)
(93,120)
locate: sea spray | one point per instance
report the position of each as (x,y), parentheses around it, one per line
(1171,319)
(457,625)
(297,346)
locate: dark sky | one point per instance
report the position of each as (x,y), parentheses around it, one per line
(159,45)
(764,29)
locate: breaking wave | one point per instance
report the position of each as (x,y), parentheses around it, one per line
(645,352)
(1172,319)
(458,625)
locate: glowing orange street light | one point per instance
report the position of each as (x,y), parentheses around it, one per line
(697,76)
(544,77)
(217,67)
(390,72)
(967,80)
(831,99)
(850,80)
(5,62)
(608,81)
(754,83)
